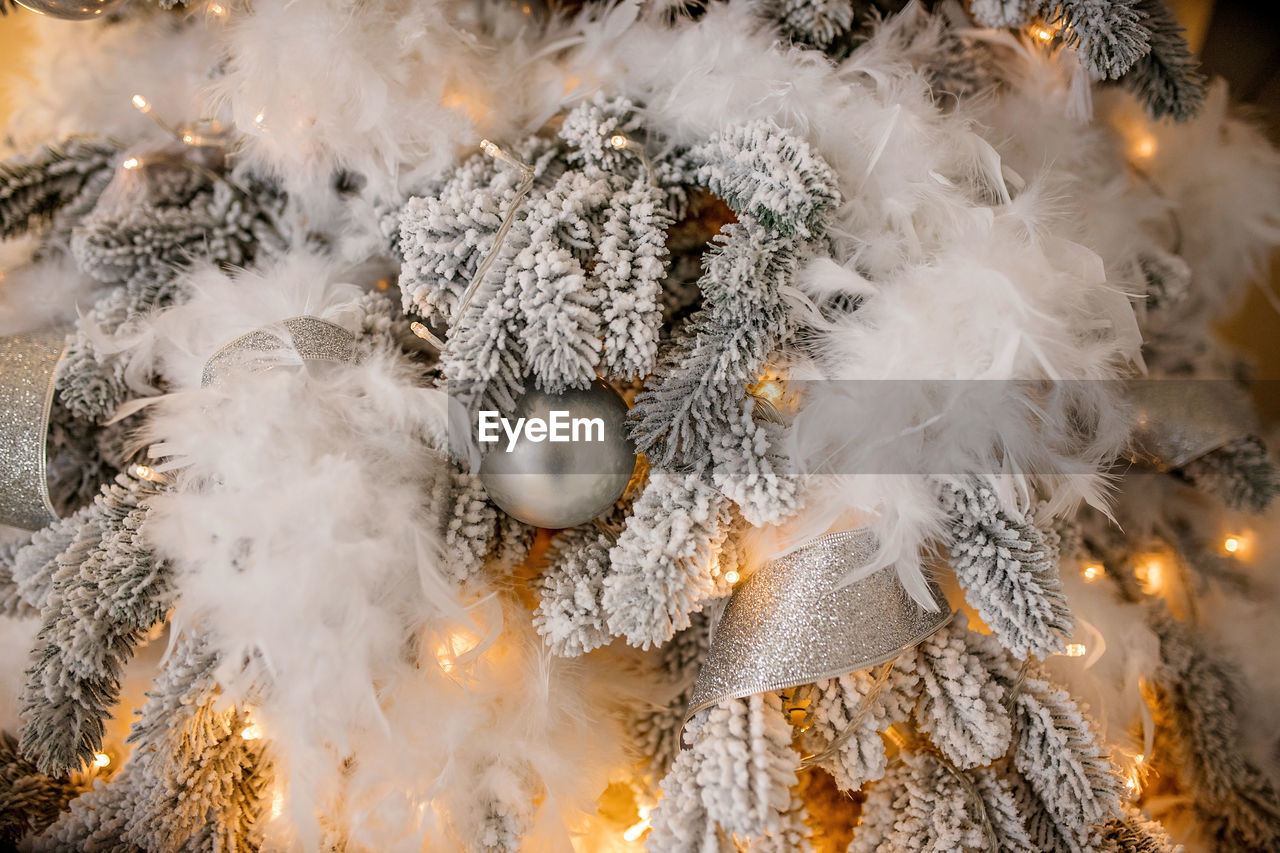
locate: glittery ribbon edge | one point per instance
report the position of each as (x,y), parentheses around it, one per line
(822,675)
(45,414)
(208,376)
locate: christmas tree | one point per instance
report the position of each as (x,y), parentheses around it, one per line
(730,426)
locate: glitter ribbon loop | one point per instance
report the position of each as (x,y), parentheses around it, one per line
(792,623)
(304,338)
(1178,420)
(27,366)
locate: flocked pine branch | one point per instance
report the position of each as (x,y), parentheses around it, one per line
(734,778)
(857,708)
(1135,833)
(1167,80)
(29,800)
(1240,473)
(1110,35)
(108,590)
(70,174)
(1198,730)
(665,564)
(1004,13)
(919,806)
(192,783)
(570,615)
(1008,571)
(655,725)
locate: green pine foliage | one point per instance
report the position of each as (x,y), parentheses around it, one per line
(1167,79)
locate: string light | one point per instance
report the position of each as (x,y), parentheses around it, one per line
(1133,779)
(731,576)
(1044,33)
(1150,575)
(131,163)
(1231,544)
(251,732)
(1093,571)
(101,759)
(638,829)
(142,104)
(143,472)
(1144,147)
(1075,650)
(260,118)
(767,388)
(619,141)
(457,644)
(277,804)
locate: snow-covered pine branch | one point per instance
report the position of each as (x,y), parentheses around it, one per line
(1008,571)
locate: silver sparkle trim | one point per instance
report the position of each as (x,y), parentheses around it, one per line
(790,623)
(306,338)
(27,366)
(1176,421)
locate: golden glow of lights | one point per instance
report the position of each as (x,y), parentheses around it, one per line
(142,104)
(1231,544)
(767,389)
(1144,147)
(457,644)
(1133,779)
(1150,575)
(731,576)
(277,804)
(217,10)
(1093,572)
(251,732)
(619,141)
(132,163)
(143,472)
(1043,33)
(1075,650)
(637,829)
(101,759)
(383,284)
(259,118)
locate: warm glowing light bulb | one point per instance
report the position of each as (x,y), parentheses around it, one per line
(1231,544)
(1133,779)
(143,472)
(217,10)
(259,118)
(1144,147)
(1150,575)
(456,645)
(731,576)
(141,103)
(1075,650)
(1043,34)
(101,759)
(619,141)
(131,163)
(1093,572)
(277,804)
(251,732)
(634,832)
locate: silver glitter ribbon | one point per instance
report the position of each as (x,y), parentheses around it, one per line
(1179,420)
(791,623)
(27,365)
(304,338)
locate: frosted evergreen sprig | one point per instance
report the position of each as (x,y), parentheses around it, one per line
(107,591)
(1109,34)
(663,567)
(735,776)
(1167,80)
(29,800)
(70,174)
(853,707)
(1240,473)
(655,726)
(1008,571)
(192,782)
(570,614)
(1198,733)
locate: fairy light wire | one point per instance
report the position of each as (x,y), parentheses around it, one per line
(522,190)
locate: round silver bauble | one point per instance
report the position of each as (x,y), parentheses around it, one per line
(70,10)
(555,484)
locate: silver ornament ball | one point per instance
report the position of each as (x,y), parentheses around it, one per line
(70,10)
(562,483)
